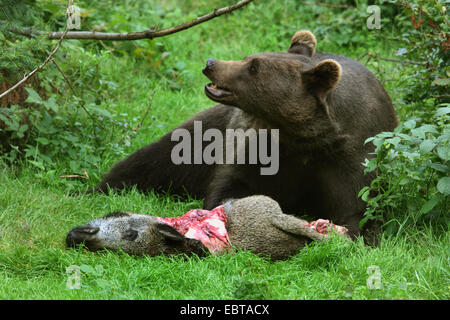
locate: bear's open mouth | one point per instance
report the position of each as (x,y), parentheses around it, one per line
(214,91)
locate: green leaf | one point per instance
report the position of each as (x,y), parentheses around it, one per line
(369,140)
(404,181)
(443,152)
(385,134)
(33,96)
(42,140)
(37,164)
(378,142)
(362,191)
(395,141)
(443,185)
(23,128)
(401,51)
(421,131)
(365,195)
(50,104)
(367,217)
(74,165)
(440,167)
(441,111)
(427,145)
(442,82)
(405,136)
(410,124)
(429,205)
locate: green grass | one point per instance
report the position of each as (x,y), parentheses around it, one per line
(36,213)
(33,258)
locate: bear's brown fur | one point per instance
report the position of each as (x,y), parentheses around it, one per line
(324,106)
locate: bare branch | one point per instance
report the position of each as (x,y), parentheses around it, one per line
(86,176)
(147,34)
(69,176)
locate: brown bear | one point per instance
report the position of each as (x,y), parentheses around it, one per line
(324,107)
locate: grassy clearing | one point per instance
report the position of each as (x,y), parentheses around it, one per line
(33,258)
(36,214)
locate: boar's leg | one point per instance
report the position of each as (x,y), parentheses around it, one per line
(300,227)
(296,226)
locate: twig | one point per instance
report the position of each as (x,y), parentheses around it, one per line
(106,47)
(362,56)
(76,175)
(146,113)
(75,92)
(147,34)
(72,176)
(376,56)
(391,38)
(402,61)
(26,77)
(397,60)
(320,4)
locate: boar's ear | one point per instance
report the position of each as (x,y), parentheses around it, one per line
(227,206)
(322,78)
(168,232)
(303,42)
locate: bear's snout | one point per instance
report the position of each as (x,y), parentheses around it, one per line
(209,64)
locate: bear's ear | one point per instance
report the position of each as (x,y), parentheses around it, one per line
(322,78)
(303,42)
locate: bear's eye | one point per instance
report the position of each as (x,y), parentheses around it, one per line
(254,66)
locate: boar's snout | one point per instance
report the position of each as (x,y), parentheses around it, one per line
(80,235)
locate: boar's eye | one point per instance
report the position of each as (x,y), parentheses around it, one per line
(253,68)
(130,235)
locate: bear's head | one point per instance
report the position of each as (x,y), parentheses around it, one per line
(287,90)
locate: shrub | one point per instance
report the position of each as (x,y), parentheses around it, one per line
(412,166)
(412,163)
(63,115)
